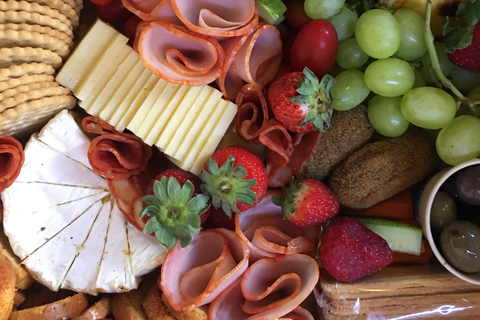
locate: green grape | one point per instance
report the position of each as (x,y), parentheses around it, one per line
(412,39)
(459,141)
(386,117)
(377,33)
(428,107)
(350,55)
(389,77)
(344,22)
(322,9)
(445,65)
(419,81)
(464,80)
(349,90)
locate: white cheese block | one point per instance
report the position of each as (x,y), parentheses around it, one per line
(70,234)
(85,54)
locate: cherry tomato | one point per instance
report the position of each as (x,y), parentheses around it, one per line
(100,2)
(130,28)
(295,14)
(315,47)
(113,12)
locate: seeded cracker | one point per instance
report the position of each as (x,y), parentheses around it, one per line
(62,36)
(29,117)
(12,38)
(23,80)
(17,55)
(26,89)
(23,69)
(68,8)
(11,16)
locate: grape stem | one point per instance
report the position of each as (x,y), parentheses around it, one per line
(429,40)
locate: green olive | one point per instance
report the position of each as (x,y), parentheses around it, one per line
(460,242)
(443,211)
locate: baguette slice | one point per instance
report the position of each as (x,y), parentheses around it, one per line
(7,287)
(101,309)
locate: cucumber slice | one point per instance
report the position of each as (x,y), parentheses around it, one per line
(401,237)
(271,11)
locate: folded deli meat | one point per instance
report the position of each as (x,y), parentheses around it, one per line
(63,221)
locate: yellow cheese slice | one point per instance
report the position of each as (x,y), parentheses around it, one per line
(202,137)
(86,54)
(177,116)
(215,137)
(111,88)
(151,101)
(189,118)
(159,108)
(141,94)
(109,59)
(192,131)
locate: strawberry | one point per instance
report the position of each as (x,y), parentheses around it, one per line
(307,203)
(350,251)
(463,41)
(174,208)
(235,178)
(300,102)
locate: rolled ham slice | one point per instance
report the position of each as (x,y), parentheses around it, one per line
(150,10)
(271,288)
(195,275)
(180,55)
(267,234)
(114,154)
(12,158)
(225,18)
(252,115)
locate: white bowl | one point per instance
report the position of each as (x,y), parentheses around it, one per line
(425,206)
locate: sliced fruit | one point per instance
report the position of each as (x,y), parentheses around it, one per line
(271,11)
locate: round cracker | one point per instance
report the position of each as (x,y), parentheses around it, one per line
(27,88)
(33,7)
(29,117)
(13,38)
(68,8)
(23,80)
(62,36)
(24,97)
(11,16)
(23,69)
(18,55)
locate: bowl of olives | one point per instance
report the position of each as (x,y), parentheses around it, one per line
(449,213)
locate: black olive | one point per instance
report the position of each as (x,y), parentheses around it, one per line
(460,243)
(467,185)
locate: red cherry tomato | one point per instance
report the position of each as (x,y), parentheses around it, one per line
(100,2)
(113,12)
(295,14)
(315,47)
(130,27)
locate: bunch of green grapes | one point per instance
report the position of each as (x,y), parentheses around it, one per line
(384,63)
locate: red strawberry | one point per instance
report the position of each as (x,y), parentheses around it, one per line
(463,41)
(235,178)
(182,176)
(350,251)
(308,203)
(173,210)
(300,102)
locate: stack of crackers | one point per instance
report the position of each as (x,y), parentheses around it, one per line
(401,292)
(36,36)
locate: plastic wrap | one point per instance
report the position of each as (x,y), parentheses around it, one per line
(399,292)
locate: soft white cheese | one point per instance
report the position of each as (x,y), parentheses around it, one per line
(63,223)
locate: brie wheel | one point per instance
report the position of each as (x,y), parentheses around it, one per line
(63,223)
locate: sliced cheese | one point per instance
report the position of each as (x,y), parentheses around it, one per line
(85,54)
(111,58)
(159,109)
(176,118)
(111,93)
(199,121)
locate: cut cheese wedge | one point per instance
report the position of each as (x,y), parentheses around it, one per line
(76,237)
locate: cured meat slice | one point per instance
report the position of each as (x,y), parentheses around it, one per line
(195,275)
(11,160)
(268,235)
(150,10)
(114,154)
(252,116)
(180,55)
(226,18)
(270,289)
